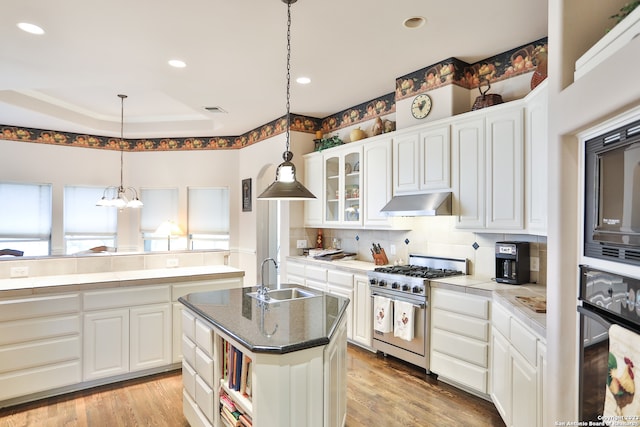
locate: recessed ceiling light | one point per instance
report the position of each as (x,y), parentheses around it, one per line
(30,28)
(414,22)
(303,80)
(177,63)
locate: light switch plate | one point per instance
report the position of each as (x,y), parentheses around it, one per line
(19,271)
(301,244)
(172,262)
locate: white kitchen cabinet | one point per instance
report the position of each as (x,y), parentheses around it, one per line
(315,386)
(126,330)
(40,344)
(537,142)
(517,370)
(342,185)
(459,335)
(363,323)
(469,166)
(422,160)
(378,176)
(542,381)
(315,277)
(488,170)
(313,179)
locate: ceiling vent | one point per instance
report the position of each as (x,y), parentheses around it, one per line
(215,109)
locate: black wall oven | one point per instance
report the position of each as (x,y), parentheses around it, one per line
(605,299)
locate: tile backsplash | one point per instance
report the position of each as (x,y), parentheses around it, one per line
(436,236)
(100,263)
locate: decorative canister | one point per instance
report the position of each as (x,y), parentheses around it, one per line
(486,100)
(357,134)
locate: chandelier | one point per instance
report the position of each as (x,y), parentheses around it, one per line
(120,196)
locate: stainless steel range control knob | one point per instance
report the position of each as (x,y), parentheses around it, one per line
(373,281)
(405,288)
(395,285)
(416,290)
(382,283)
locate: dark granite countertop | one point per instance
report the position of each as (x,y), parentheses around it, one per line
(278,328)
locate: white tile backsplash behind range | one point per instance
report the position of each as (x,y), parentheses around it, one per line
(437,236)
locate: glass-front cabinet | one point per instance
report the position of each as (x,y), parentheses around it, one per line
(343,182)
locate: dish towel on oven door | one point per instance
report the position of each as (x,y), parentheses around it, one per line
(403,320)
(624,355)
(383,316)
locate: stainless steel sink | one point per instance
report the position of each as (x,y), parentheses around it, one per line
(281,295)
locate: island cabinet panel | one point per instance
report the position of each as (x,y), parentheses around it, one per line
(40,344)
(362,317)
(222,377)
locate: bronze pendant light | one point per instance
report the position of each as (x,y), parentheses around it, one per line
(286,186)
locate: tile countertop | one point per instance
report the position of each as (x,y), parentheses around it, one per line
(281,327)
(502,293)
(77,282)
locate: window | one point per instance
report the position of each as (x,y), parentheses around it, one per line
(208,218)
(160,205)
(25,220)
(86,225)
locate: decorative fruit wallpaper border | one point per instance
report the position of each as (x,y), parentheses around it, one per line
(449,71)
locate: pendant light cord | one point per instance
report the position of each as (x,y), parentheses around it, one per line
(288,72)
(122,97)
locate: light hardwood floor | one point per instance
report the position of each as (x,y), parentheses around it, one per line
(382,392)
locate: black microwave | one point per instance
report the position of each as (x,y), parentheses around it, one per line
(612,195)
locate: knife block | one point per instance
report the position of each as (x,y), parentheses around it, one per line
(381,258)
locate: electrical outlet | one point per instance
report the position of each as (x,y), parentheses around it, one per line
(392,249)
(301,244)
(535,264)
(172,262)
(19,271)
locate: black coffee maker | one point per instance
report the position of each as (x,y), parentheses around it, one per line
(512,262)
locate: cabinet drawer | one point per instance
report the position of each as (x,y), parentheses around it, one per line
(458,302)
(112,298)
(315,273)
(21,383)
(204,337)
(192,413)
(463,325)
(39,353)
(463,373)
(340,278)
(463,348)
(189,379)
(189,324)
(204,398)
(523,341)
(501,319)
(295,269)
(15,309)
(36,329)
(204,367)
(188,350)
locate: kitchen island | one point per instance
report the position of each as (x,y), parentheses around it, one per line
(277,363)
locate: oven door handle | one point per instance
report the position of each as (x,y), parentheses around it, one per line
(419,306)
(591,315)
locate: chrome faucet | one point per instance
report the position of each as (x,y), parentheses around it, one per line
(263,291)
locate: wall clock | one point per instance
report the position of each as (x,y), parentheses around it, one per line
(421,106)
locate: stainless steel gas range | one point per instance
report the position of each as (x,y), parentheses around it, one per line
(410,283)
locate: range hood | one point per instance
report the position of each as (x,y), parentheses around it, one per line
(429,204)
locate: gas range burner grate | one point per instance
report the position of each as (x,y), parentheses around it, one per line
(418,271)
